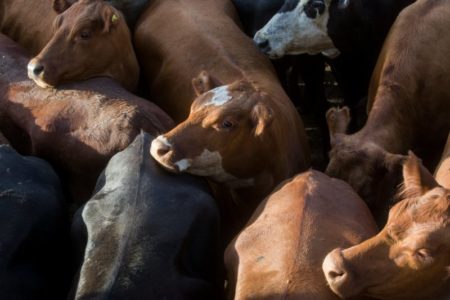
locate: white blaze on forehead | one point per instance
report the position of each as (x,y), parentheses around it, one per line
(220,96)
(293,32)
(183,164)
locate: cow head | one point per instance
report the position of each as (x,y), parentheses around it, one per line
(368,168)
(410,257)
(225,136)
(300,26)
(91,39)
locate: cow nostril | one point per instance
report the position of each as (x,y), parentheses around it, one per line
(333,275)
(38,69)
(162,150)
(263,45)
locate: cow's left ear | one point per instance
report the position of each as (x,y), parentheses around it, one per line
(204,82)
(417,180)
(111,18)
(262,116)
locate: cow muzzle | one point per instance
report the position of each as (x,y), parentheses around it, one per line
(162,152)
(36,72)
(338,276)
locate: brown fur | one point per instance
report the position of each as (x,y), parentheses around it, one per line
(91,39)
(410,257)
(408,108)
(76,128)
(280,252)
(266,143)
(27,22)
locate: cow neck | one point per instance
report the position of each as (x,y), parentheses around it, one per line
(390,122)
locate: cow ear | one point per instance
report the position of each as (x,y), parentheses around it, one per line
(262,117)
(417,180)
(111,18)
(337,120)
(61,5)
(204,82)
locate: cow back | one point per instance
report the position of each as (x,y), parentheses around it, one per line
(154,234)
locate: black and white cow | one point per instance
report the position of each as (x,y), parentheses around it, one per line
(34,246)
(349,32)
(254,14)
(147,233)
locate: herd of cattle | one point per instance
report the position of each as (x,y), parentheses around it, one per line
(97,194)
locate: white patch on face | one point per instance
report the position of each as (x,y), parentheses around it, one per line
(209,164)
(183,164)
(293,32)
(221,95)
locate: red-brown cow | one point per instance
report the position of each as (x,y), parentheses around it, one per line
(76,128)
(91,39)
(408,103)
(410,257)
(280,252)
(242,133)
(27,22)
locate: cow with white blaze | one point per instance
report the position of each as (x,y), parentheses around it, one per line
(240,138)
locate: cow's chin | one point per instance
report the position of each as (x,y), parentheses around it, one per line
(167,166)
(39,82)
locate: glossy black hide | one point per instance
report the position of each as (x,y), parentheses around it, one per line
(149,234)
(34,255)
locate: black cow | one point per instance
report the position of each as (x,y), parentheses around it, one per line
(34,256)
(350,32)
(147,233)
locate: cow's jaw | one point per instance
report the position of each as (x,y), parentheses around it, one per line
(207,164)
(293,32)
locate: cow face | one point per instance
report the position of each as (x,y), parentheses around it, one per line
(91,39)
(299,27)
(223,137)
(410,257)
(368,168)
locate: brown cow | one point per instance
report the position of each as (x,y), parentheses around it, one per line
(91,39)
(242,132)
(410,257)
(280,252)
(408,103)
(76,128)
(27,22)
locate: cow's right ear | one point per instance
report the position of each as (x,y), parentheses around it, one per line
(61,5)
(204,82)
(417,180)
(337,120)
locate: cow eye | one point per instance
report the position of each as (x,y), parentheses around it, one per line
(227,124)
(85,34)
(424,256)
